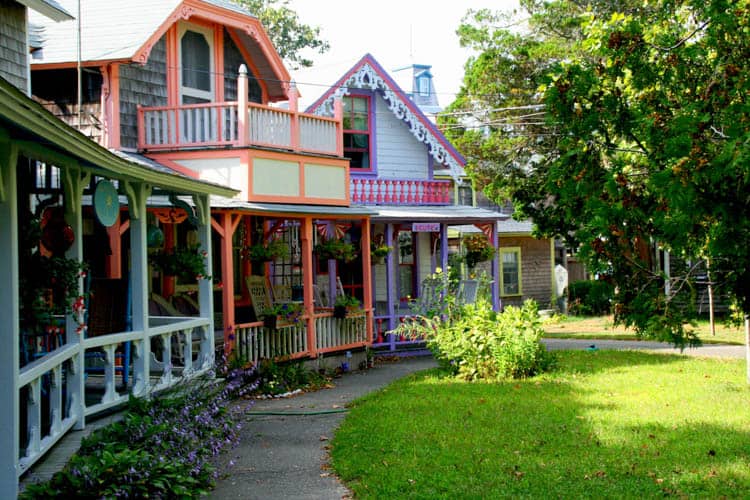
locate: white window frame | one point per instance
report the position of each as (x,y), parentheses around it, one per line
(208,34)
(519,267)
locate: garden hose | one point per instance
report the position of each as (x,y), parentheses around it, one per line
(296,413)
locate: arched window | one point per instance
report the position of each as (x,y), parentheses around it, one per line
(196,62)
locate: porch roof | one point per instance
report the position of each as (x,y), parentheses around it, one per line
(36,129)
(444,214)
(48,8)
(292,209)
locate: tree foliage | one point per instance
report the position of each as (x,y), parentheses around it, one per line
(289,35)
(644,140)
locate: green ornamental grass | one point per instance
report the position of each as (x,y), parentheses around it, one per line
(606,424)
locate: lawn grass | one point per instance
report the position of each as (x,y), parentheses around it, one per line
(606,424)
(601,327)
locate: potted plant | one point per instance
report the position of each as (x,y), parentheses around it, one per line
(187,263)
(345,304)
(337,249)
(265,252)
(478,249)
(286,312)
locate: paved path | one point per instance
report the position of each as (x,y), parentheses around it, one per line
(707,350)
(284,456)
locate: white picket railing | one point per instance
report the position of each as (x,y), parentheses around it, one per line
(332,332)
(54,381)
(256,342)
(317,134)
(270,127)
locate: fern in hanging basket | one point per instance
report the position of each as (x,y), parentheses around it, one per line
(265,252)
(478,249)
(337,249)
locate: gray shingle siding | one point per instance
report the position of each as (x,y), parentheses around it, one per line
(13,57)
(141,85)
(232,60)
(536,269)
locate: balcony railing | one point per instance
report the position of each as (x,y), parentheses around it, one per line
(400,191)
(224,124)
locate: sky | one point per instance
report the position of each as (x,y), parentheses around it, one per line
(396,33)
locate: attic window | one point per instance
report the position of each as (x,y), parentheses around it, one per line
(197,65)
(423,85)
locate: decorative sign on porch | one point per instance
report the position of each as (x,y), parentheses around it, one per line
(106,203)
(425,227)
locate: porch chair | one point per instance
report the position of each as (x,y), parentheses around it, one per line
(260,296)
(467,291)
(160,306)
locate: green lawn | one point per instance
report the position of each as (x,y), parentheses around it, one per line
(601,327)
(607,424)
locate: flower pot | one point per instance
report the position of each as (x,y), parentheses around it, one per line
(339,312)
(270,321)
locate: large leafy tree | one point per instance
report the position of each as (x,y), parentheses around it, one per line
(644,140)
(290,36)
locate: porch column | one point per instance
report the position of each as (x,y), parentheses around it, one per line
(444,248)
(367,278)
(390,281)
(137,196)
(9,328)
(306,235)
(205,286)
(112,262)
(73,184)
(226,227)
(495,286)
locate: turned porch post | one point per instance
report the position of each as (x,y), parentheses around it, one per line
(306,235)
(205,286)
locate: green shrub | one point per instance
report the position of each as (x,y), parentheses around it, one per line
(479,343)
(590,297)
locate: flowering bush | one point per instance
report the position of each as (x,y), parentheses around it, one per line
(475,342)
(187,263)
(160,449)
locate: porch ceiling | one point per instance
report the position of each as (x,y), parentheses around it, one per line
(446,214)
(27,121)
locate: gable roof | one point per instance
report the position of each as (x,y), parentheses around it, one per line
(367,73)
(126,31)
(28,122)
(48,8)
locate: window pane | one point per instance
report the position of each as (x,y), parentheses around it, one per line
(360,140)
(360,105)
(360,122)
(510,273)
(196,61)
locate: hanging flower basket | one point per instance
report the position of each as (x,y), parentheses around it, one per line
(478,249)
(187,263)
(337,249)
(266,252)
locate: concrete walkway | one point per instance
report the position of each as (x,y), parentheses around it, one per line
(706,350)
(284,456)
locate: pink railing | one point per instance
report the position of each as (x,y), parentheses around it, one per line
(400,192)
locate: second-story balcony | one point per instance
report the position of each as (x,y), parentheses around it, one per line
(236,124)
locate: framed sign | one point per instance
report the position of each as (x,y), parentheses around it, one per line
(425,227)
(106,203)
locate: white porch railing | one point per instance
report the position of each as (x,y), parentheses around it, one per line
(255,342)
(53,382)
(332,333)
